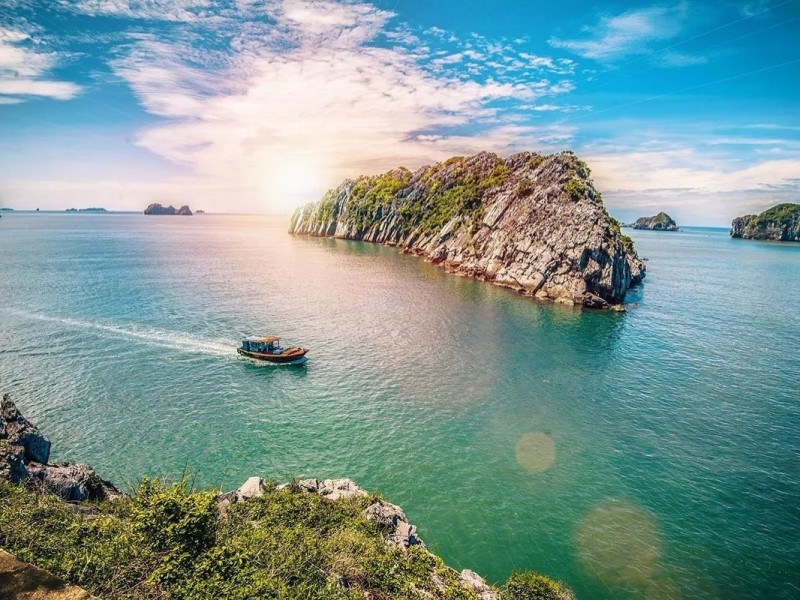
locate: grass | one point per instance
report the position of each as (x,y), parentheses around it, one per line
(171,541)
(781,213)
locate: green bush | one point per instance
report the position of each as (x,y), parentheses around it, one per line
(576,188)
(532,586)
(169,541)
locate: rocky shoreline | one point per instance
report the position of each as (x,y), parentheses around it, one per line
(529,222)
(24,460)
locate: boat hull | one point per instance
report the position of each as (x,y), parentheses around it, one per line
(287,357)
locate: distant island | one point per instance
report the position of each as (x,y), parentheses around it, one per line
(661,222)
(157,209)
(529,222)
(90,210)
(779,223)
(6,210)
(199,212)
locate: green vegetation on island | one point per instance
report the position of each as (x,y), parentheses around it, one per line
(779,223)
(529,222)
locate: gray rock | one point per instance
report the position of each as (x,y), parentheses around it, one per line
(332,489)
(384,514)
(74,483)
(477,584)
(252,488)
(25,454)
(391,518)
(532,223)
(17,430)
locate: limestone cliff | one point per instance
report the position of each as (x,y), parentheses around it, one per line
(779,223)
(530,222)
(661,222)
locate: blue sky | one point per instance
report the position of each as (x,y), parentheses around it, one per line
(260,105)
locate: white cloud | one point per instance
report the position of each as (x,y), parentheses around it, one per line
(165,10)
(22,69)
(699,187)
(316,100)
(627,34)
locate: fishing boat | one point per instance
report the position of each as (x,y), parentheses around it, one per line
(268,349)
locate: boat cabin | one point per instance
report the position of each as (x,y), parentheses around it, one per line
(264,345)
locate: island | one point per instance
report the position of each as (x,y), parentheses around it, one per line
(6,209)
(87,210)
(305,538)
(780,223)
(529,222)
(661,222)
(157,209)
(199,211)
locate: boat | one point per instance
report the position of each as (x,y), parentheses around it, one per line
(268,349)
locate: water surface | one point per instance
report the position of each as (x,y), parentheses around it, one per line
(651,454)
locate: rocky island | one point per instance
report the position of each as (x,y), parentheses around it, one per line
(779,223)
(661,222)
(302,539)
(92,209)
(157,209)
(529,222)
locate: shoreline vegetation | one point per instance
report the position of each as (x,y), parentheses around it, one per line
(529,222)
(169,540)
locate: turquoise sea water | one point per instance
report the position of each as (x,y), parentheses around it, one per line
(652,454)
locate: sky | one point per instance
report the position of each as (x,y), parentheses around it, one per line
(258,106)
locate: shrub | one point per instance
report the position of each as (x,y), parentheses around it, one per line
(576,188)
(532,586)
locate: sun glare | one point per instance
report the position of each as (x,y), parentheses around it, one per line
(293,183)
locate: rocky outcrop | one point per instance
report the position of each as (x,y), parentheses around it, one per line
(661,222)
(25,455)
(157,209)
(779,223)
(529,222)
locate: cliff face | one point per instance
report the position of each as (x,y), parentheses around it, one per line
(780,223)
(661,222)
(530,222)
(25,454)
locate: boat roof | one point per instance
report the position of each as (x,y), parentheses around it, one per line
(262,340)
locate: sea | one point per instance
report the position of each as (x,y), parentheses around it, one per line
(652,454)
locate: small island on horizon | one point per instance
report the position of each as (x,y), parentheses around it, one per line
(660,222)
(87,210)
(158,209)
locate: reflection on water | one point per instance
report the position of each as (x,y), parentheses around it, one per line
(619,543)
(535,452)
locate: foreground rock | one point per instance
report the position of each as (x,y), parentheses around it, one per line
(157,209)
(25,455)
(23,581)
(780,223)
(531,223)
(661,222)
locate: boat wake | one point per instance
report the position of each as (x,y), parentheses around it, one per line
(178,341)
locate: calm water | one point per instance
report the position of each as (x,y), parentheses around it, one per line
(652,454)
